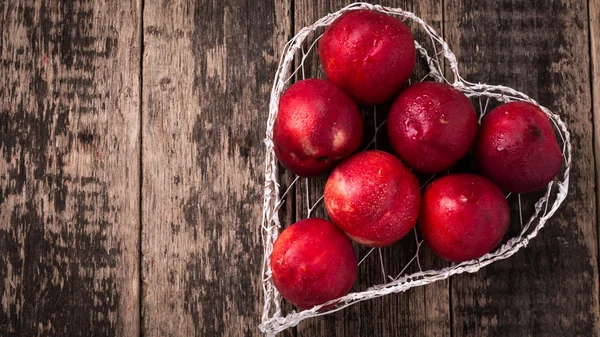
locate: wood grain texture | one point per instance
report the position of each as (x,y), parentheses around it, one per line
(594,24)
(208,67)
(421,311)
(550,288)
(69,168)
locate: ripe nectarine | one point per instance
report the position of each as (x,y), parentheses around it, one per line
(313,262)
(369,55)
(317,125)
(431,126)
(373,197)
(517,148)
(463,216)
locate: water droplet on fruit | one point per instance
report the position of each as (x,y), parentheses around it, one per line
(411,131)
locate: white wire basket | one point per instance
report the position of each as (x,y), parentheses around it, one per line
(273,318)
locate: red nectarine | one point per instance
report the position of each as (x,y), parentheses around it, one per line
(313,262)
(369,55)
(431,126)
(517,148)
(317,125)
(373,197)
(463,216)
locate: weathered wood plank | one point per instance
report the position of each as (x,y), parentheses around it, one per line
(69,168)
(207,73)
(594,12)
(422,311)
(550,288)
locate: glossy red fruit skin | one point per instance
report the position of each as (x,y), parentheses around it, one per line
(316,126)
(373,197)
(517,149)
(313,262)
(463,216)
(431,126)
(369,55)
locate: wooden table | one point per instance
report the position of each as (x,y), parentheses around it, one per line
(131,162)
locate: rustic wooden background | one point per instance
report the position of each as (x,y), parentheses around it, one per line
(131,169)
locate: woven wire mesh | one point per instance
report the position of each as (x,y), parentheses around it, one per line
(436,54)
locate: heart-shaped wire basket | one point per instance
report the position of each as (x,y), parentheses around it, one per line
(273,320)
